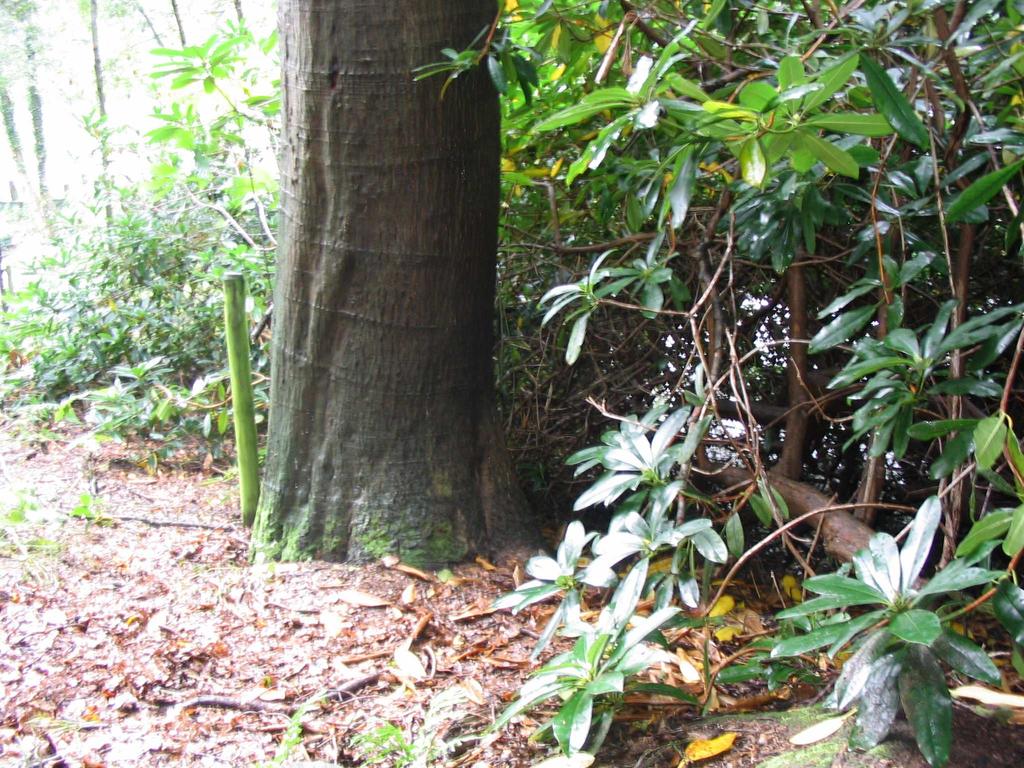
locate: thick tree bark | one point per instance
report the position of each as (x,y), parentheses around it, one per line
(383,434)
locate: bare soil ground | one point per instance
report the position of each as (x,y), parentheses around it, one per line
(135,632)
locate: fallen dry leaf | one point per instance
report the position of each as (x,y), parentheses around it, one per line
(474,691)
(818,731)
(487,565)
(988,696)
(687,668)
(408,569)
(409,664)
(702,749)
(333,623)
(362,599)
(408,595)
(579,760)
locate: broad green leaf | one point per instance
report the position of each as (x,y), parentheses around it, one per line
(964,656)
(711,546)
(497,74)
(794,646)
(682,187)
(857,592)
(919,541)
(989,438)
(831,79)
(927,704)
(1014,540)
(953,455)
(572,723)
(893,104)
(879,702)
(981,191)
(857,668)
(734,535)
(1008,604)
(929,430)
(916,626)
(838,160)
(791,72)
(859,289)
(579,332)
(752,162)
(841,329)
(991,526)
(957,576)
(874,125)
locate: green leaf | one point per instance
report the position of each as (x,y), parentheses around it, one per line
(879,702)
(791,72)
(874,125)
(588,106)
(682,188)
(831,80)
(981,191)
(762,509)
(989,438)
(964,656)
(956,576)
(857,669)
(926,701)
(929,430)
(991,526)
(752,162)
(1008,604)
(919,542)
(734,535)
(1014,541)
(572,723)
(952,456)
(838,160)
(579,331)
(841,329)
(853,590)
(893,104)
(497,74)
(794,646)
(916,626)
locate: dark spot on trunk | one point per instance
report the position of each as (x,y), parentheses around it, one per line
(332,72)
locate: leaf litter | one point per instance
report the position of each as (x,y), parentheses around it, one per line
(141,635)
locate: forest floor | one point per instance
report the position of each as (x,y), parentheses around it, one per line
(135,632)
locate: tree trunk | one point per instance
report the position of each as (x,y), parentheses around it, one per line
(101,103)
(383,435)
(35,108)
(238,12)
(11,130)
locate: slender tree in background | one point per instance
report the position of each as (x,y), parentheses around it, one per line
(383,436)
(35,107)
(101,103)
(177,21)
(149,23)
(238,11)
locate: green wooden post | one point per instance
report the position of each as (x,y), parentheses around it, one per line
(241,395)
